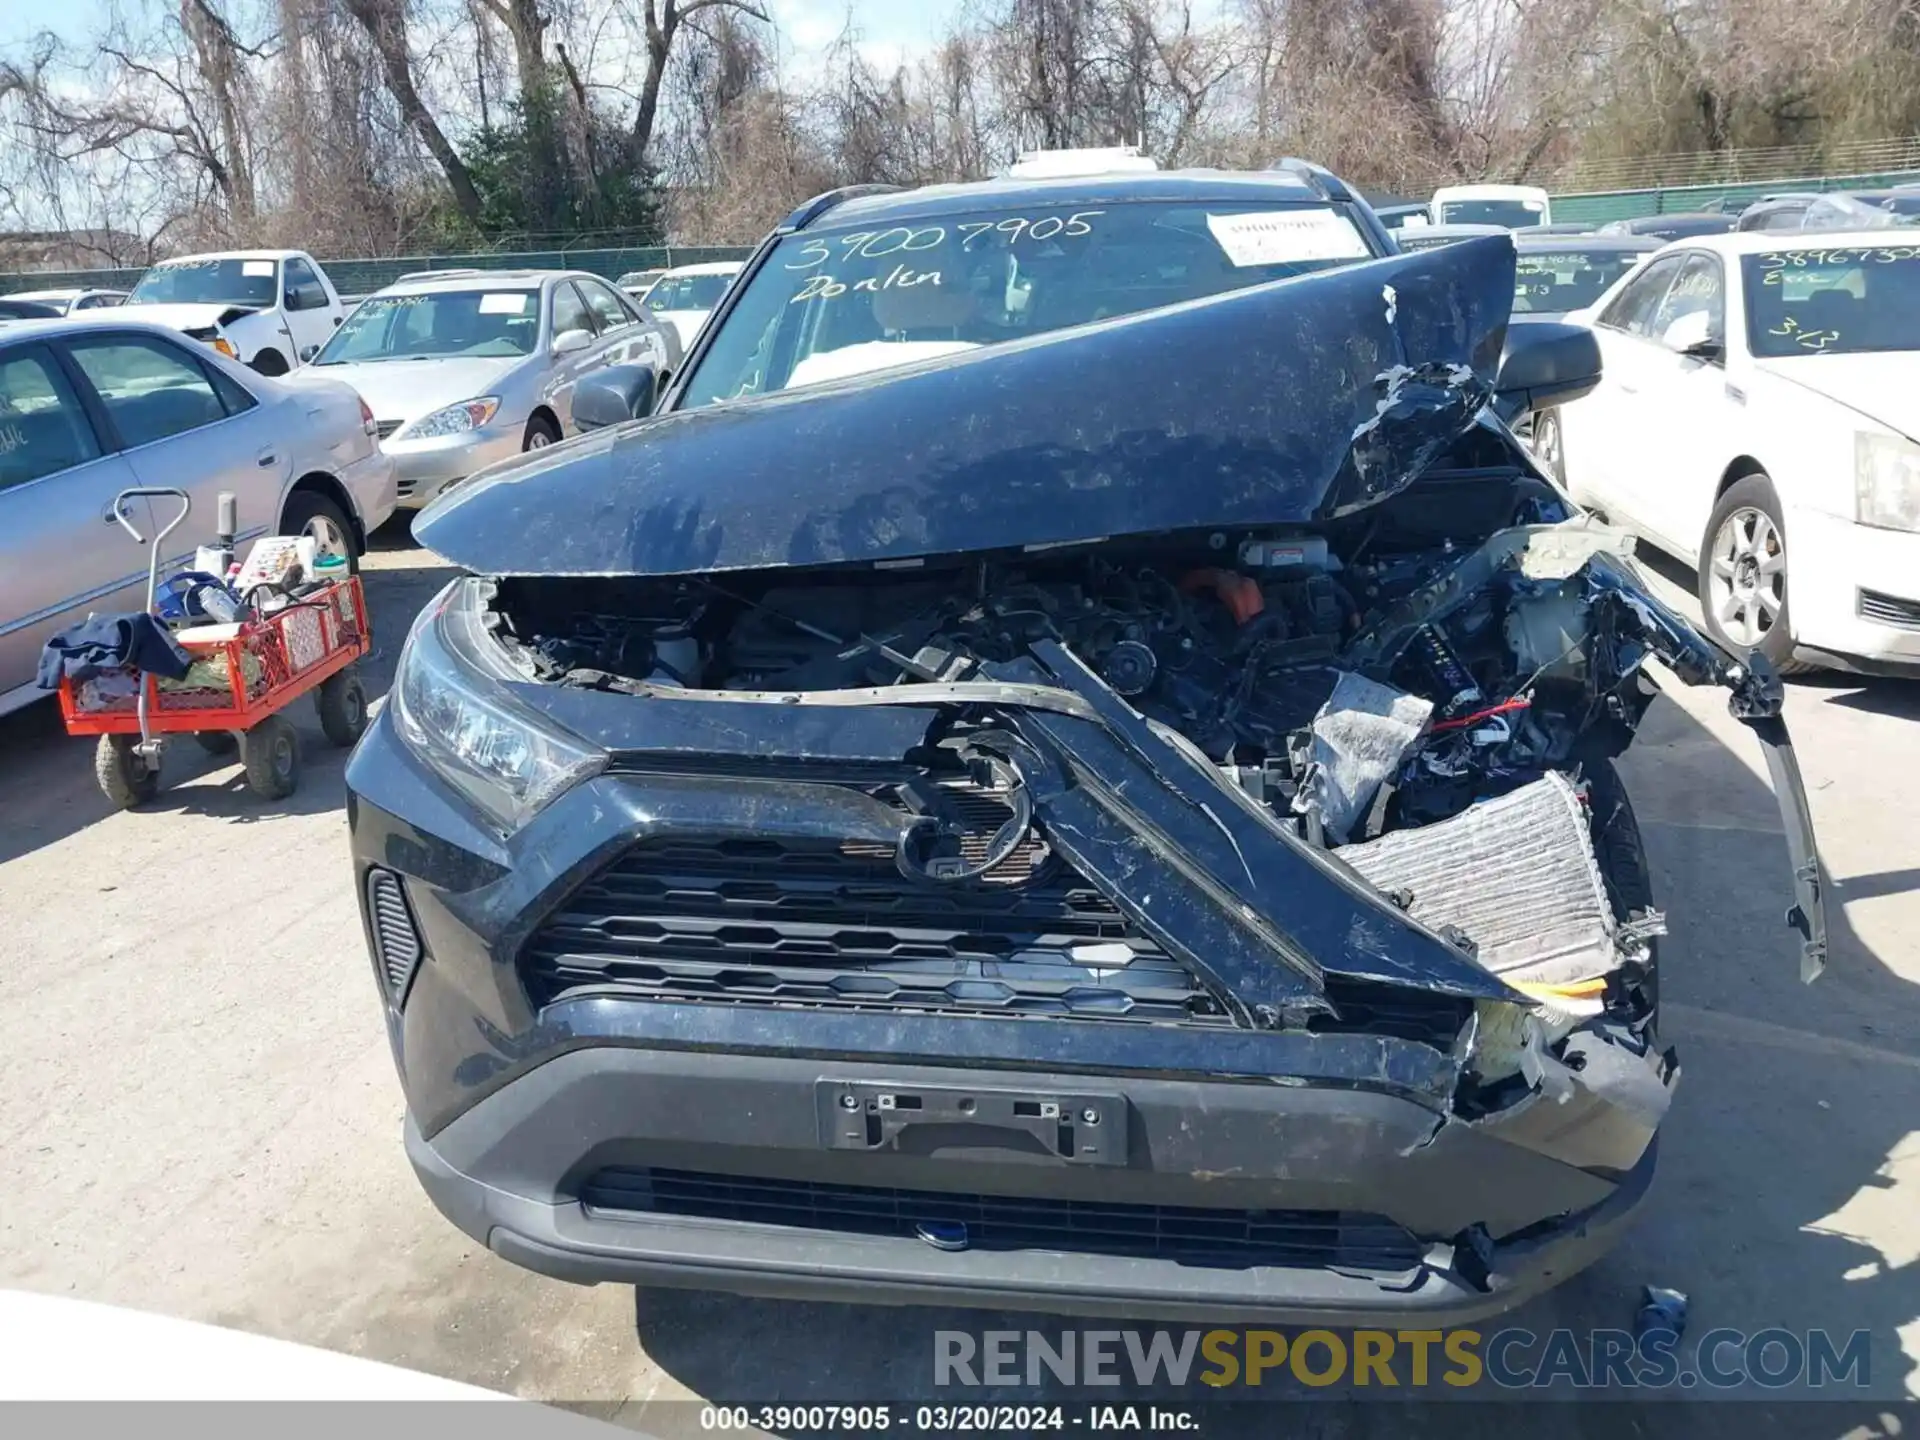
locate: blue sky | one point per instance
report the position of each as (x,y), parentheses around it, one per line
(889,29)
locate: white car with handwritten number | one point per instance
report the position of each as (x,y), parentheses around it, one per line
(1759,417)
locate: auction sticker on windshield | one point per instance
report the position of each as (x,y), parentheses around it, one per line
(256,267)
(503,302)
(1281,237)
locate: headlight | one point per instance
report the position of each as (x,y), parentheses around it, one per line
(452,709)
(1886,481)
(225,347)
(454,419)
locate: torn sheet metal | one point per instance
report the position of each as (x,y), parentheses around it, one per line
(1756,699)
(1152,797)
(1288,402)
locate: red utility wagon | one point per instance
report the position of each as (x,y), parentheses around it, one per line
(242,678)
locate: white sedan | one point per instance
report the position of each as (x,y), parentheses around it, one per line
(1758,417)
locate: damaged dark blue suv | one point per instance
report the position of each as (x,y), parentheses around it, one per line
(1068,765)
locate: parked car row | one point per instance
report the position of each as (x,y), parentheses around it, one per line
(247,373)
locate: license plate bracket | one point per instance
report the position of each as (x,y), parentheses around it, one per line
(1074,1126)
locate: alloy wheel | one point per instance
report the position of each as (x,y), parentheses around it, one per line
(1748,575)
(328,537)
(1546,443)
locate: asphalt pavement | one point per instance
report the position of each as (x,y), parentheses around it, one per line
(200,1115)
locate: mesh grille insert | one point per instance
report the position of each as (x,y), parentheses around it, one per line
(1185,1234)
(1889,610)
(394,936)
(830,923)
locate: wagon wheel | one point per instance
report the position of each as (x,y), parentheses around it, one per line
(270,751)
(125,777)
(342,702)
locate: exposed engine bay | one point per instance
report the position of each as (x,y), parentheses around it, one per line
(1438,715)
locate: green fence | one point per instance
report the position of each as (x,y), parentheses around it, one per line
(362,277)
(1604,205)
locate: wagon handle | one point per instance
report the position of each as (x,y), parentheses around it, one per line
(151,492)
(144,492)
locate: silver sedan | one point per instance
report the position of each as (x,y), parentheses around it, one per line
(463,368)
(94,405)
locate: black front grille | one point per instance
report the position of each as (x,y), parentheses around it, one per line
(1889,610)
(835,924)
(1186,1234)
(385,428)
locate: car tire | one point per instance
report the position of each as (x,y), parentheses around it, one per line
(309,512)
(1547,441)
(269,362)
(124,778)
(1743,575)
(270,751)
(342,702)
(541,432)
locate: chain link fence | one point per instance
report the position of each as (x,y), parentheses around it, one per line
(363,277)
(1598,191)
(1842,164)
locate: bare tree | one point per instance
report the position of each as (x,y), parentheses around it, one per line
(385,24)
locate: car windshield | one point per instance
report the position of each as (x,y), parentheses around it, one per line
(436,324)
(688,292)
(832,303)
(1557,281)
(230,281)
(1842,301)
(1514,214)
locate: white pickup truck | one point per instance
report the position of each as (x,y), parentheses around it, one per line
(271,309)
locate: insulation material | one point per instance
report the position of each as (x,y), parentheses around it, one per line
(1516,874)
(1360,737)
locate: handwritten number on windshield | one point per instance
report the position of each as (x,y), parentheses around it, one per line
(901,239)
(1806,339)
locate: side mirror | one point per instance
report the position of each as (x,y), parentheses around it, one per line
(310,296)
(571,342)
(614,396)
(1691,335)
(1546,363)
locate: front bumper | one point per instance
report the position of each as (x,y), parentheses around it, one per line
(1834,563)
(514,1110)
(510,1174)
(427,467)
(372,484)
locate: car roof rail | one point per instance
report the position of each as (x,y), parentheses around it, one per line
(1317,178)
(439,274)
(813,209)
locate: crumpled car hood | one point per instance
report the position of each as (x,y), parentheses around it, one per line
(1289,402)
(185,316)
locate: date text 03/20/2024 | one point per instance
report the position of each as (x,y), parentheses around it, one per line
(949,1419)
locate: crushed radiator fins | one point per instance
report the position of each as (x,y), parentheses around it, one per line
(1517,875)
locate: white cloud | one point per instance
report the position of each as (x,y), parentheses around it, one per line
(889,32)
